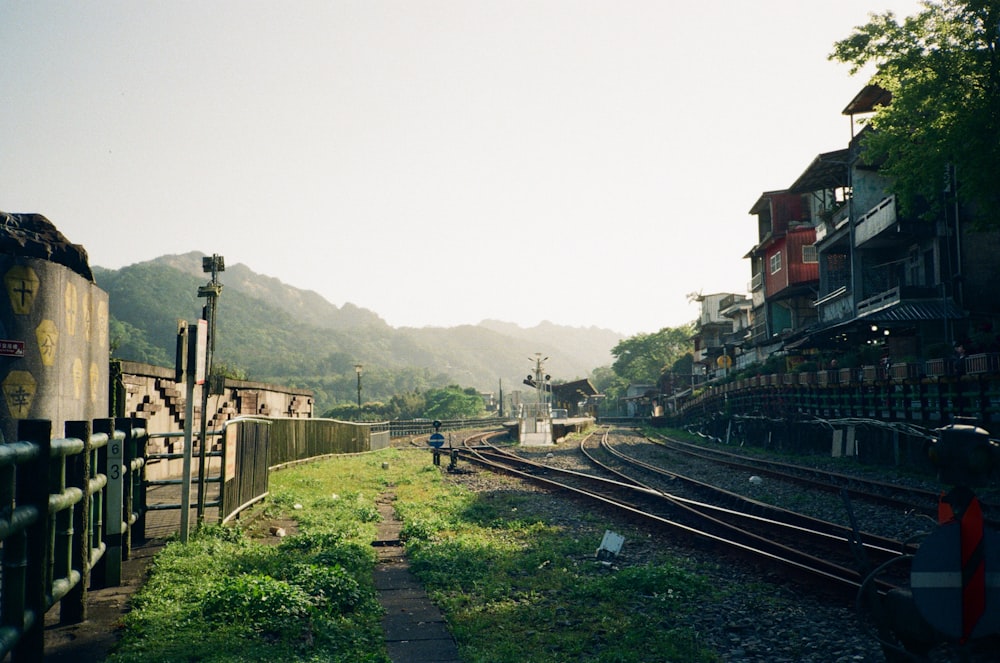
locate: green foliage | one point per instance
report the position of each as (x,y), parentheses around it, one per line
(493,562)
(451,402)
(605,380)
(222,597)
(942,69)
(406,405)
(260,604)
(662,358)
(128,341)
(497,563)
(331,588)
(281,335)
(454,402)
(644,357)
(229,370)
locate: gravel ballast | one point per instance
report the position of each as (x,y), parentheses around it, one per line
(763,617)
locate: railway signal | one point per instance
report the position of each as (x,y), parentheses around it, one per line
(954,576)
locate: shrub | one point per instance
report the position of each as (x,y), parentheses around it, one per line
(259,603)
(331,587)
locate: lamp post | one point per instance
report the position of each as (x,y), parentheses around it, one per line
(211,292)
(357,369)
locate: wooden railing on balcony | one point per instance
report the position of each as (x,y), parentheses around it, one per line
(875,221)
(930,393)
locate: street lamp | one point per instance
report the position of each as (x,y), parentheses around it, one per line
(357,369)
(212,266)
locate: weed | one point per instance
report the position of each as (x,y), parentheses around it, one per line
(498,563)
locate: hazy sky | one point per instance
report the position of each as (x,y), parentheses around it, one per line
(437,162)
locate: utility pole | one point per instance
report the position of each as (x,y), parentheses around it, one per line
(541,380)
(212,265)
(357,369)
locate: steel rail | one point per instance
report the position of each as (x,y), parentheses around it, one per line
(879,492)
(883,547)
(709,529)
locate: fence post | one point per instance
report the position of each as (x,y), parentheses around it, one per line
(73,608)
(33,489)
(125,456)
(115,473)
(15,554)
(140,438)
(227,448)
(99,503)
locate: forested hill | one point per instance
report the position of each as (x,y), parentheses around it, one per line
(276,333)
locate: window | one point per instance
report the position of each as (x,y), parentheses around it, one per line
(776,263)
(809,253)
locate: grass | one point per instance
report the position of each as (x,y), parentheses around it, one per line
(516,581)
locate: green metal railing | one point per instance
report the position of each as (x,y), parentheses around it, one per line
(68,510)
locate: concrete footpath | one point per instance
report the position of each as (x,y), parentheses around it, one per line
(415,630)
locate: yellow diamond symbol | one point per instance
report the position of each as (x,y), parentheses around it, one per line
(22,286)
(47,335)
(19,391)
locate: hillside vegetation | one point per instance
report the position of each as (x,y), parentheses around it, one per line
(268,331)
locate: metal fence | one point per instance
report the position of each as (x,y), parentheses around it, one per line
(72,507)
(69,509)
(416,427)
(247,449)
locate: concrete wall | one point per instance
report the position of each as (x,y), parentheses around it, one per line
(53,345)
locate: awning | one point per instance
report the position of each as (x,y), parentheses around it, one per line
(917,310)
(911,311)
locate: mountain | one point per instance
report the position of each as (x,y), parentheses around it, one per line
(304,305)
(592,342)
(281,334)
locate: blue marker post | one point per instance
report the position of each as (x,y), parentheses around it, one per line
(436,440)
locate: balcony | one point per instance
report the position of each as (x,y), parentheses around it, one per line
(876,221)
(878,302)
(926,302)
(836,306)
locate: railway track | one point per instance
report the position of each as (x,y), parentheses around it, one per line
(644,481)
(884,493)
(824,555)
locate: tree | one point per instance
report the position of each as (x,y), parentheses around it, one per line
(130,342)
(942,126)
(644,357)
(453,402)
(408,405)
(230,370)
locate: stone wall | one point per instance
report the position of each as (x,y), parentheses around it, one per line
(151,392)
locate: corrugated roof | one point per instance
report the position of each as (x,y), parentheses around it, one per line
(764,202)
(827,171)
(917,310)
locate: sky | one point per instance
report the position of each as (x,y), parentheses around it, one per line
(588,163)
